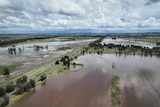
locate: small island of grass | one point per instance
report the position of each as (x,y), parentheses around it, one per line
(63,48)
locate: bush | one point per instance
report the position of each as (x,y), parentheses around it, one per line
(22,79)
(57,62)
(43,77)
(20,90)
(2,92)
(27,87)
(9,87)
(32,83)
(5,101)
(6,71)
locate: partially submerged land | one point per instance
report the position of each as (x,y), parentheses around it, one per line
(99,80)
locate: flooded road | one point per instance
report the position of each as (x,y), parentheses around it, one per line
(90,86)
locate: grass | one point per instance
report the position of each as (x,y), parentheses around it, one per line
(106,50)
(11,68)
(149,40)
(78,64)
(63,48)
(38,41)
(110,51)
(115,92)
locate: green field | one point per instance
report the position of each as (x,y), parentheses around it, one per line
(63,48)
(38,41)
(149,40)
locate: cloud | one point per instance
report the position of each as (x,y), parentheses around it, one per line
(151,23)
(149,2)
(44,15)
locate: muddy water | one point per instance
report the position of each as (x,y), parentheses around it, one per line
(89,87)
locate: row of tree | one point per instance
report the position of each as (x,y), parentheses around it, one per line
(20,86)
(99,47)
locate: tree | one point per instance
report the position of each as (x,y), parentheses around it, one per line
(19,89)
(27,87)
(74,64)
(9,87)
(2,92)
(57,62)
(47,47)
(32,83)
(43,77)
(5,101)
(22,79)
(6,71)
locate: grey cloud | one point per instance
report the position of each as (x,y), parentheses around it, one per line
(37,15)
(149,2)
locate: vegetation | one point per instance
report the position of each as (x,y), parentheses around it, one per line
(21,80)
(39,41)
(42,77)
(98,48)
(37,47)
(5,69)
(115,92)
(5,101)
(149,39)
(113,65)
(65,60)
(2,92)
(22,85)
(9,87)
(63,48)
(57,62)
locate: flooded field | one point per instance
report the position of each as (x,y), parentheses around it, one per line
(128,41)
(29,58)
(90,86)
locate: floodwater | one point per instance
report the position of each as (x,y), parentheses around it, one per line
(90,86)
(7,59)
(29,58)
(128,42)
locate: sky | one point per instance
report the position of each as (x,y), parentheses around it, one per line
(98,16)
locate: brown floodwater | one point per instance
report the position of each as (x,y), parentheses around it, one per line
(90,86)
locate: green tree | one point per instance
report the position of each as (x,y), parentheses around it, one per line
(6,71)
(5,101)
(32,83)
(2,92)
(9,87)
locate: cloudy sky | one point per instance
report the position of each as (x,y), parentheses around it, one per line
(35,16)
